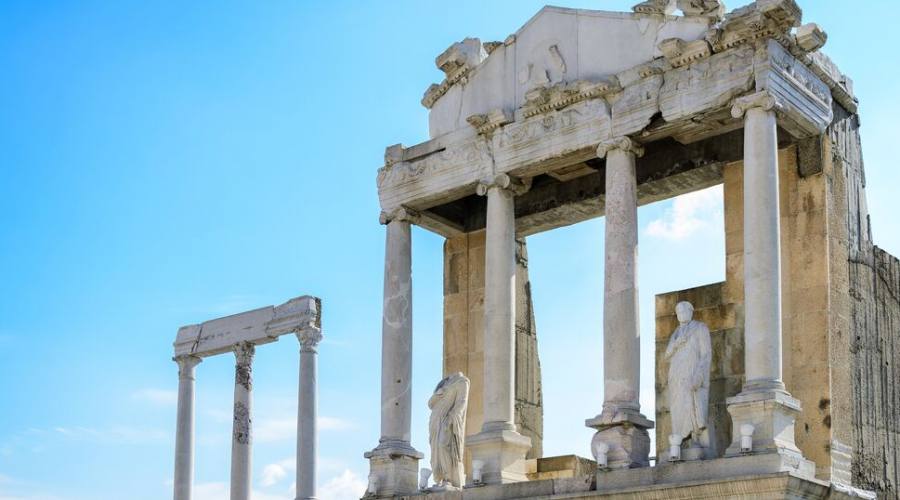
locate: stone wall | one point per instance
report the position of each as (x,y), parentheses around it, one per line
(464,330)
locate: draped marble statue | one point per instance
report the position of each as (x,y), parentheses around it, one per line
(447,430)
(689,355)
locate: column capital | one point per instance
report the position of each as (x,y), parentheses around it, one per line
(763,99)
(309,339)
(186,364)
(243,353)
(400,214)
(512,185)
(624,143)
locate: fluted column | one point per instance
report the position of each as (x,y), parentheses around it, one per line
(241,453)
(630,445)
(395,462)
(307,439)
(764,404)
(499,446)
(184,430)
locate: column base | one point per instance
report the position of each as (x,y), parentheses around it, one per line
(625,433)
(502,452)
(772,413)
(395,465)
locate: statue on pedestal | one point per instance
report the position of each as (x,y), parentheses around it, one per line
(689,355)
(447,431)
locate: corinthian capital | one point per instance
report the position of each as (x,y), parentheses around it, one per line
(763,99)
(513,185)
(401,214)
(625,144)
(309,339)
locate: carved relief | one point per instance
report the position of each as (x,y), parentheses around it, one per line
(655,7)
(713,9)
(520,133)
(547,67)
(472,152)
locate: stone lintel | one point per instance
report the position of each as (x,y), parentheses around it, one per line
(259,326)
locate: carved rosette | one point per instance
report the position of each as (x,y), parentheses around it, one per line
(401,214)
(764,100)
(243,368)
(625,144)
(512,186)
(309,339)
(186,366)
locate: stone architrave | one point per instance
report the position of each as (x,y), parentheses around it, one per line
(689,355)
(447,430)
(621,426)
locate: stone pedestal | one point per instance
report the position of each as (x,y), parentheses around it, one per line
(503,454)
(772,415)
(627,437)
(396,467)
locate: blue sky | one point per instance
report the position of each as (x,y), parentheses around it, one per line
(163,163)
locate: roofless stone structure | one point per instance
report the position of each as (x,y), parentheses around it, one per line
(582,114)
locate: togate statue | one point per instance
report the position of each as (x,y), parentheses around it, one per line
(447,430)
(689,355)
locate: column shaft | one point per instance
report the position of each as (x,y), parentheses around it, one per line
(621,330)
(307,439)
(184,433)
(241,453)
(499,311)
(396,336)
(762,251)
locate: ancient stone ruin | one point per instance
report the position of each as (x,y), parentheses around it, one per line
(583,114)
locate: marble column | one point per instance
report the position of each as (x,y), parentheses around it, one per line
(764,402)
(307,439)
(621,426)
(499,445)
(184,433)
(241,455)
(395,462)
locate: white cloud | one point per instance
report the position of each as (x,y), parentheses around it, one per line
(688,214)
(347,486)
(274,473)
(219,491)
(156,397)
(281,429)
(119,434)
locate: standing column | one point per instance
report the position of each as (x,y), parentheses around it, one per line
(307,413)
(395,463)
(499,446)
(184,433)
(241,456)
(621,426)
(763,403)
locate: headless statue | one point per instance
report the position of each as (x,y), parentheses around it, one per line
(689,355)
(447,430)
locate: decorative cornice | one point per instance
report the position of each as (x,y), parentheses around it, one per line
(761,19)
(712,9)
(456,62)
(487,123)
(810,37)
(542,100)
(401,214)
(393,154)
(626,144)
(681,53)
(186,365)
(764,100)
(513,185)
(655,7)
(309,339)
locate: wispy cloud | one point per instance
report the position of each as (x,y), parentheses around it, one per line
(156,397)
(273,473)
(689,214)
(347,486)
(119,434)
